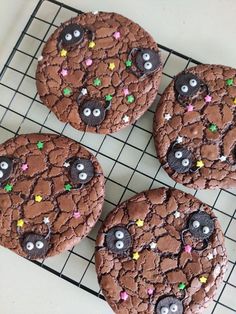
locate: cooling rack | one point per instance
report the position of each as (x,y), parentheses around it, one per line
(128,157)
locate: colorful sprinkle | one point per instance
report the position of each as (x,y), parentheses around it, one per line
(150,291)
(46,220)
(126,91)
(64,72)
(234,101)
(223,158)
(84,91)
(229,82)
(67,92)
(177,214)
(208,98)
(68,187)
(24,167)
(182,286)
(20,223)
(210,256)
(112,66)
(139,223)
(200,164)
(179,139)
(130,99)
(92,44)
(213,128)
(153,245)
(188,248)
(203,279)
(76,215)
(8,187)
(190,108)
(40,145)
(128,63)
(97,82)
(63,53)
(124,295)
(38,198)
(116,35)
(126,119)
(167,116)
(108,97)
(136,256)
(89,62)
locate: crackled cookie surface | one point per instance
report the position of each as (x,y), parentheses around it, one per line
(51,194)
(99,72)
(160,252)
(195,127)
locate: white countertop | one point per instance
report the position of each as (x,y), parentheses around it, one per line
(203,29)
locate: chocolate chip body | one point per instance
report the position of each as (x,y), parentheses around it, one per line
(81,171)
(169,305)
(187,84)
(147,61)
(118,240)
(6,166)
(35,246)
(201,225)
(92,112)
(72,34)
(179,158)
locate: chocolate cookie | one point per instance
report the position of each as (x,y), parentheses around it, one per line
(195,127)
(51,194)
(160,252)
(99,72)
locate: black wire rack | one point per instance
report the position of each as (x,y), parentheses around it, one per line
(128,157)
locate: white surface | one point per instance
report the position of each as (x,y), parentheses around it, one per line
(202,29)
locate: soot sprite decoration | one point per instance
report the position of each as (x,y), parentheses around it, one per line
(179,158)
(118,240)
(81,171)
(6,166)
(169,305)
(35,245)
(93,112)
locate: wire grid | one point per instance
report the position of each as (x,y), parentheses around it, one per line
(127,157)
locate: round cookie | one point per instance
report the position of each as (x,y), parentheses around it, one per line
(51,194)
(195,127)
(99,72)
(160,252)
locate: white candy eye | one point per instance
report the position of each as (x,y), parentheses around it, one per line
(39,245)
(196,224)
(76,33)
(1,174)
(96,112)
(184,88)
(146,56)
(4,165)
(193,82)
(68,37)
(205,230)
(87,112)
(119,235)
(185,162)
(29,246)
(178,154)
(83,176)
(80,167)
(174,308)
(164,310)
(148,65)
(119,245)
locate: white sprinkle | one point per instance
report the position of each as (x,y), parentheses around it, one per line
(95,12)
(179,139)
(126,119)
(223,158)
(84,91)
(46,220)
(177,214)
(210,256)
(167,116)
(153,245)
(66,164)
(40,58)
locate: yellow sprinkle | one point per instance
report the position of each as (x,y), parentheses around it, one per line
(112,66)
(140,223)
(200,164)
(63,53)
(234,101)
(92,44)
(136,256)
(203,279)
(20,223)
(38,198)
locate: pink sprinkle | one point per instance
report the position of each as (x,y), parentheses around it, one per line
(124,296)
(24,167)
(150,291)
(116,35)
(76,215)
(89,62)
(187,248)
(126,91)
(190,108)
(64,72)
(208,98)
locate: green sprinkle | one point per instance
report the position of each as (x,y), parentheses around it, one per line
(97,82)
(8,187)
(213,128)
(182,286)
(68,187)
(130,99)
(108,97)
(128,63)
(229,82)
(40,145)
(67,92)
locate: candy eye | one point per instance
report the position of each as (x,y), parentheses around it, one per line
(164,310)
(68,37)
(29,246)
(80,167)
(193,82)
(178,154)
(76,33)
(87,112)
(185,162)
(96,112)
(146,56)
(205,230)
(119,245)
(174,308)
(39,245)
(1,174)
(83,176)
(4,165)
(196,224)
(119,234)
(148,65)
(184,88)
